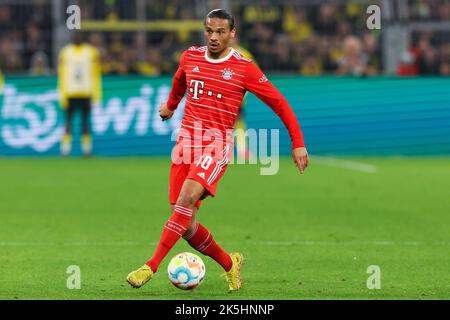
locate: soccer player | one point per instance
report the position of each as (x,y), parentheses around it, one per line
(79,84)
(216,78)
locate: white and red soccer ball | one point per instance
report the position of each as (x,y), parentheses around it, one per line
(186,271)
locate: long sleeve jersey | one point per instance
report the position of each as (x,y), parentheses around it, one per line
(215,89)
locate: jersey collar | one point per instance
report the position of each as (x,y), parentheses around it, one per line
(219,60)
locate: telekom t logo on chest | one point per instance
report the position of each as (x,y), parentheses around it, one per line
(196,87)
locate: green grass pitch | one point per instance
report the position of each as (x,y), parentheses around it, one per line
(304,237)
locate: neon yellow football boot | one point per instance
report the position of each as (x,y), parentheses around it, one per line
(234,275)
(140,276)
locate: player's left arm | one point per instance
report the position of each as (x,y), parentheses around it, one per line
(257,83)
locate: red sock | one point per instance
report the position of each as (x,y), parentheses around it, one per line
(173,230)
(202,240)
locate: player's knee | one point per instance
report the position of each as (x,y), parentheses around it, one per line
(187,199)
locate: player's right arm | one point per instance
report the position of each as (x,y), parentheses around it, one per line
(177,92)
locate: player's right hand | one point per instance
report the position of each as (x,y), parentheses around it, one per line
(164,112)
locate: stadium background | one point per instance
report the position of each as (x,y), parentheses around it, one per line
(362,202)
(140,43)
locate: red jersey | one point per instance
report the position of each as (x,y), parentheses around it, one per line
(216,88)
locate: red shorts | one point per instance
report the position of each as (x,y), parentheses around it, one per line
(206,169)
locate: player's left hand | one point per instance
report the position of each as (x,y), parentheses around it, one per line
(301,158)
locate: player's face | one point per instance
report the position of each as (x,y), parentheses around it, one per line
(77,37)
(218,34)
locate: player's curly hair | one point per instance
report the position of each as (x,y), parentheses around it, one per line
(221,14)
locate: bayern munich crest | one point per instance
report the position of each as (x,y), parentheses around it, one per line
(227,73)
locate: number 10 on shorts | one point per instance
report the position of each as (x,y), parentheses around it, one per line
(204,162)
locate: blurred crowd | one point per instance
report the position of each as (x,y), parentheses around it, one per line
(428,55)
(313,39)
(25,36)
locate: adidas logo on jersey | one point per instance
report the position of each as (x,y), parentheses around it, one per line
(201,175)
(196,69)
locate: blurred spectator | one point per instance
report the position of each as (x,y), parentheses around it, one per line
(283,54)
(107,64)
(407,65)
(428,62)
(126,62)
(39,64)
(140,43)
(329,53)
(444,12)
(151,66)
(354,11)
(430,53)
(260,36)
(327,19)
(34,41)
(354,60)
(5,18)
(296,24)
(372,49)
(444,69)
(311,67)
(262,11)
(97,40)
(116,45)
(10,59)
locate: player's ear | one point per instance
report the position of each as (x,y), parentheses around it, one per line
(233,33)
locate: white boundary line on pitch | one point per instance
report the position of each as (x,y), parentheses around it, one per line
(261,243)
(342,243)
(345,164)
(72,244)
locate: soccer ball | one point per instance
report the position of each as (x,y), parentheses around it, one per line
(186,271)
